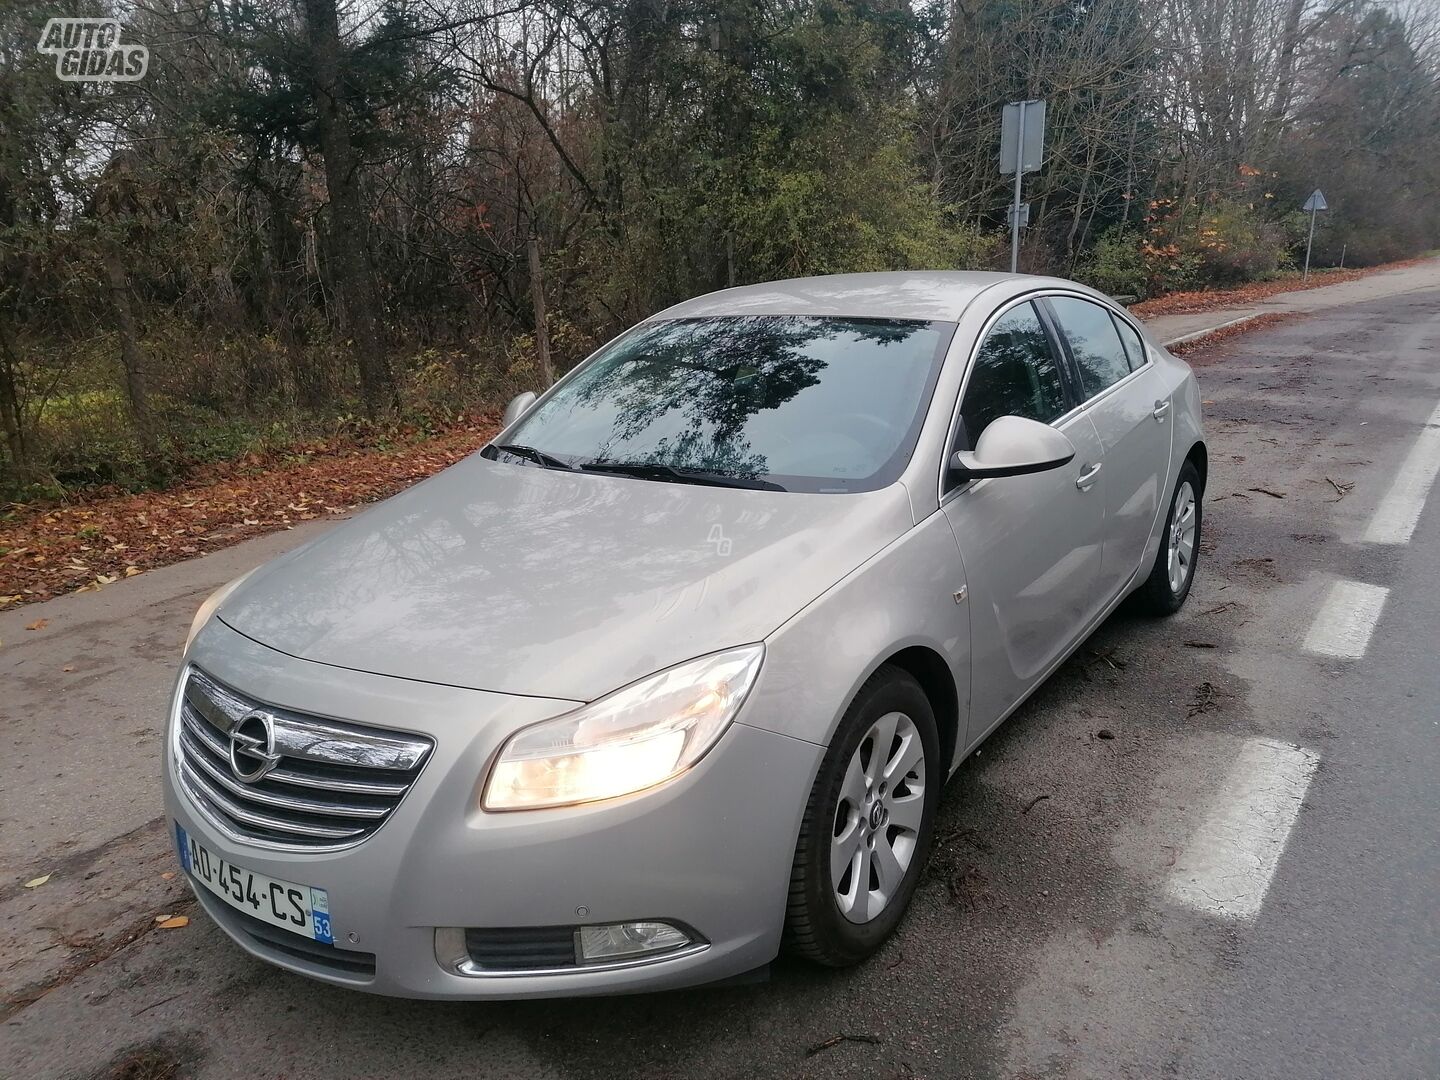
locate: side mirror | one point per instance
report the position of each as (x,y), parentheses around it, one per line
(1012,446)
(518,407)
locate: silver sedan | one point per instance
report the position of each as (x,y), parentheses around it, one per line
(671,674)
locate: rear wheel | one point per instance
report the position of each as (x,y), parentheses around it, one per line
(1168,585)
(867,827)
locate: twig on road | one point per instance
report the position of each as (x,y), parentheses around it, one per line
(873,1040)
(1107,656)
(156,1005)
(1031,804)
(1267,491)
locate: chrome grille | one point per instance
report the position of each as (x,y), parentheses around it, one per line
(331,786)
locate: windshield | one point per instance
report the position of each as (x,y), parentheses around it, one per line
(804,403)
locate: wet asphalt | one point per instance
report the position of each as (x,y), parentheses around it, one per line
(1043,942)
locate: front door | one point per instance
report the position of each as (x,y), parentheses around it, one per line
(1031,544)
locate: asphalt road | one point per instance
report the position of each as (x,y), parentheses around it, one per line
(1070,926)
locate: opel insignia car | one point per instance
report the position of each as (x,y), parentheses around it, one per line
(670,675)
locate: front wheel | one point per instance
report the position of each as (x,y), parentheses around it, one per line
(867,827)
(1174,571)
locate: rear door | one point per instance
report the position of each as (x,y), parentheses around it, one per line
(1122,393)
(1031,545)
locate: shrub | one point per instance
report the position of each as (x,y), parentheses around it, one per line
(1235,243)
(1116,264)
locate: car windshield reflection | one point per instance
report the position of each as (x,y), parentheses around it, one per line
(801,403)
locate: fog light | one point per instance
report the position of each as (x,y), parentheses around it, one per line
(625,941)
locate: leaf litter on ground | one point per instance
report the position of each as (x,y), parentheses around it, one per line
(83,545)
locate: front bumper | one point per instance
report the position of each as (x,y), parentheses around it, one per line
(710,850)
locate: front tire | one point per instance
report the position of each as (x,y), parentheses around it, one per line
(1168,585)
(868,824)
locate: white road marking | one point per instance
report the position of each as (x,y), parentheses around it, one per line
(1227,867)
(1399,512)
(1344,623)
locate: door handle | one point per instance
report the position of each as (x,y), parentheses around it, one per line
(1162,410)
(1087,478)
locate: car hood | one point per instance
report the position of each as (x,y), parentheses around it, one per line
(521,580)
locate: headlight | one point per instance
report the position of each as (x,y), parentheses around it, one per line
(212,602)
(633,739)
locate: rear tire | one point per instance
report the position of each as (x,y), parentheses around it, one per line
(868,824)
(1168,585)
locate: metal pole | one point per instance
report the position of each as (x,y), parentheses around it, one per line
(1015,208)
(1342,255)
(1306,276)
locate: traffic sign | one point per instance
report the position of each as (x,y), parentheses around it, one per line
(1022,121)
(1022,150)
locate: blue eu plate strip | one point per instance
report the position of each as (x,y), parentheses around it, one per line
(184,848)
(320,915)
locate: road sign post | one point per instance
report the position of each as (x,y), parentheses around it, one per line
(1314,204)
(1022,148)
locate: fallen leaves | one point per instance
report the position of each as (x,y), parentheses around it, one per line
(1214,337)
(171,922)
(35,883)
(1184,303)
(38,624)
(89,543)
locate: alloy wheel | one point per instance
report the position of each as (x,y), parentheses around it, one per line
(878,817)
(1181,560)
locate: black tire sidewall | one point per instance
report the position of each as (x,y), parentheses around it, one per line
(845,942)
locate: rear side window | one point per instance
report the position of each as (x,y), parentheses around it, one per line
(1093,342)
(1134,347)
(1015,374)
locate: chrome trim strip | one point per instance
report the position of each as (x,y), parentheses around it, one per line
(206,733)
(278,802)
(312,738)
(195,783)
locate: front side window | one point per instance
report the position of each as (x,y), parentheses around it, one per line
(802,403)
(1015,374)
(1093,343)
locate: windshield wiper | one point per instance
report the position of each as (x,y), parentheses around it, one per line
(549,461)
(651,471)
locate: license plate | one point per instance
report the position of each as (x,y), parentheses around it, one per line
(301,909)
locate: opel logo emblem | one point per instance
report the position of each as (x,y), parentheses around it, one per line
(252,747)
(878,814)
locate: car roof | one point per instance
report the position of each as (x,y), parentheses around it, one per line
(937,295)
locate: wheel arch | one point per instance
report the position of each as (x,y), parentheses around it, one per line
(929,669)
(1200,458)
